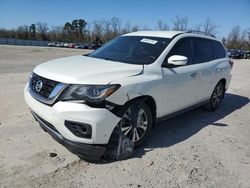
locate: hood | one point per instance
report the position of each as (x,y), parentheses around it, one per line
(86,70)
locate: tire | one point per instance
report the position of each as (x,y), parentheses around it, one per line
(137,122)
(216,97)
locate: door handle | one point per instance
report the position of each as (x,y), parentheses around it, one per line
(194,74)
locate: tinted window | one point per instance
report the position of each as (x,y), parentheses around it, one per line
(204,51)
(132,49)
(184,48)
(219,51)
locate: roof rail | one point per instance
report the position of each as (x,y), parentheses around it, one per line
(200,32)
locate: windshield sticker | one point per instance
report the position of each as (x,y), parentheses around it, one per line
(149,41)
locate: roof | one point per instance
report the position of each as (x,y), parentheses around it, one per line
(163,34)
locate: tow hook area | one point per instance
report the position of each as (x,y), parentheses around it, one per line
(119,147)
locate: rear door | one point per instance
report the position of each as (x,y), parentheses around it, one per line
(205,62)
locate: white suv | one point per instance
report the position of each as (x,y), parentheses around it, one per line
(129,84)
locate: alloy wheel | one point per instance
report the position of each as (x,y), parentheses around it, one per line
(134,123)
(217,95)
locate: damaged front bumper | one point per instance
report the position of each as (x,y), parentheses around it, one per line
(62,119)
(100,121)
(85,151)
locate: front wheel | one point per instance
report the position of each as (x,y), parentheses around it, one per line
(137,122)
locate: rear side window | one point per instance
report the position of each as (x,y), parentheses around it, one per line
(184,48)
(219,51)
(204,50)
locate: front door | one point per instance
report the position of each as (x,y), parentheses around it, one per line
(179,84)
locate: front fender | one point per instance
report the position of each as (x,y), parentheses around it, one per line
(124,94)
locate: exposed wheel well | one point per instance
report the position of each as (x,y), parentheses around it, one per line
(150,102)
(223,80)
(120,109)
(152,105)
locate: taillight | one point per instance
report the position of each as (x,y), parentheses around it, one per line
(231,63)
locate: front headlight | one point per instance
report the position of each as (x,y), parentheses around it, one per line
(90,93)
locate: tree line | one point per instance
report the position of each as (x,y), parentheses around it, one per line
(101,31)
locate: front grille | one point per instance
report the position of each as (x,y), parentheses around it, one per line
(47,85)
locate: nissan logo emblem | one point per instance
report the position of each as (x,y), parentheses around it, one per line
(39,86)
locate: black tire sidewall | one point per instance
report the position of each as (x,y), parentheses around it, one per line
(148,112)
(212,107)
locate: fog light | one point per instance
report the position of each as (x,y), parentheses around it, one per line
(82,130)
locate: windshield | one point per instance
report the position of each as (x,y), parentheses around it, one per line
(132,49)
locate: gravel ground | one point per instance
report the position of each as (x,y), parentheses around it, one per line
(195,149)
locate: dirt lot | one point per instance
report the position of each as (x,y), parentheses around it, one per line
(196,149)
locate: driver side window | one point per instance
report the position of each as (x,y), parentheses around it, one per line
(183,47)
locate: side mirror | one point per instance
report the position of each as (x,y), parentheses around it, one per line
(177,60)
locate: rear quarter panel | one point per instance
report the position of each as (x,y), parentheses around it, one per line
(210,74)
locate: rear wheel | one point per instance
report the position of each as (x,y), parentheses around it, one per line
(137,122)
(216,97)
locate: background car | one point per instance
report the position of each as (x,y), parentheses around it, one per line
(71,45)
(52,44)
(81,45)
(94,46)
(236,53)
(65,45)
(247,55)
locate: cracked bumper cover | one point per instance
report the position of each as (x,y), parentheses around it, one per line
(101,120)
(86,151)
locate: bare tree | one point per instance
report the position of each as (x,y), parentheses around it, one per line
(224,41)
(103,30)
(248,38)
(126,28)
(88,26)
(180,23)
(198,27)
(107,29)
(233,39)
(210,27)
(115,25)
(23,32)
(32,31)
(162,26)
(244,39)
(4,33)
(97,32)
(57,33)
(42,29)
